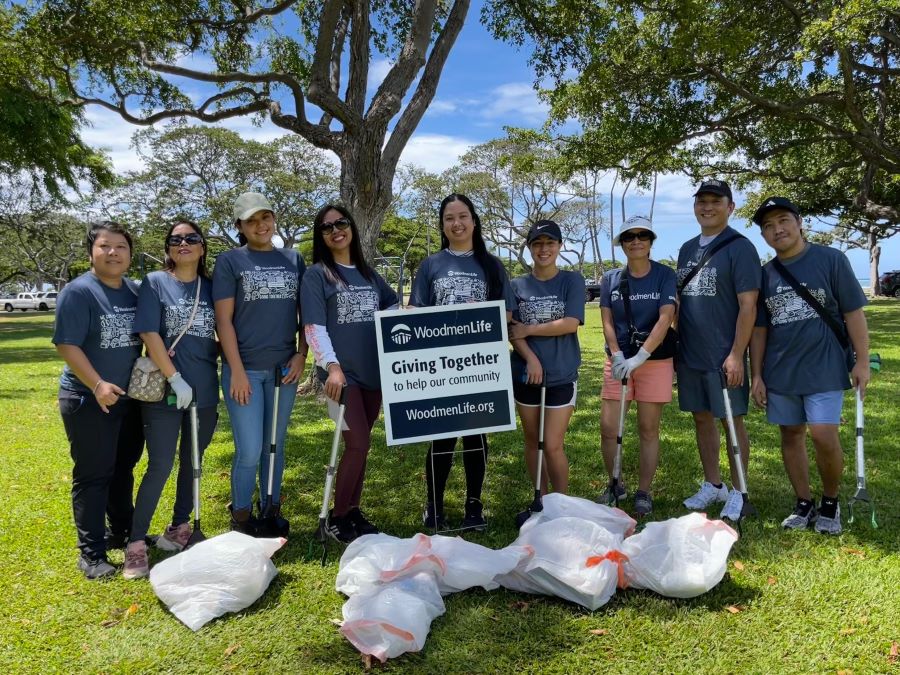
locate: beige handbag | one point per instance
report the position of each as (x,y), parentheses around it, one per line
(147,382)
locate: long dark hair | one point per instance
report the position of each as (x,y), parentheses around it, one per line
(493,268)
(321,253)
(201,264)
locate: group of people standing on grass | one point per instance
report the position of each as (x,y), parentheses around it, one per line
(262,309)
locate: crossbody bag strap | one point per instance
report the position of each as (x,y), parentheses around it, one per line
(811,300)
(706,257)
(625,294)
(190,321)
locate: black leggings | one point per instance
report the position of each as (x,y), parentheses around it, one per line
(441,451)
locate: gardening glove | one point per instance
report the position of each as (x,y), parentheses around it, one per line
(635,362)
(181,389)
(618,365)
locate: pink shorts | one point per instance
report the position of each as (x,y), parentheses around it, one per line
(651,383)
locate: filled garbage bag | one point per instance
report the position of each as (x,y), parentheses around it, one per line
(391,619)
(469,565)
(226,573)
(574,559)
(558,505)
(680,557)
(380,558)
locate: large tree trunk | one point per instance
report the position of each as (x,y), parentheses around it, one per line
(874,257)
(365,190)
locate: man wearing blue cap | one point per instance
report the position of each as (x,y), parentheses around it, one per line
(799,358)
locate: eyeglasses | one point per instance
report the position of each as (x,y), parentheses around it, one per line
(643,235)
(178,239)
(341,224)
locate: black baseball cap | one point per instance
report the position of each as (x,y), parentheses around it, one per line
(544,228)
(773,203)
(716,187)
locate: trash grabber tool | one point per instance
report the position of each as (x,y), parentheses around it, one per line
(616,479)
(272,523)
(861,494)
(537,504)
(197,535)
(322,531)
(747,509)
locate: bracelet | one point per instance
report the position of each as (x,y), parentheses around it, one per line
(94,390)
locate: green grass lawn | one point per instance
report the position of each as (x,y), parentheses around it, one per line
(791,602)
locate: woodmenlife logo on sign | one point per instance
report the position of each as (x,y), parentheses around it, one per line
(444,371)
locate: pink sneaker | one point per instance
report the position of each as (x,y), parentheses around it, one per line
(174,538)
(136,564)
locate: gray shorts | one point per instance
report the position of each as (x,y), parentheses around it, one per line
(701,391)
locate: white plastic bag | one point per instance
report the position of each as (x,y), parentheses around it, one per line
(381,558)
(557,505)
(680,557)
(574,559)
(392,619)
(226,573)
(469,564)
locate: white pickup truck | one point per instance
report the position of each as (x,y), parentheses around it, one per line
(23,301)
(46,300)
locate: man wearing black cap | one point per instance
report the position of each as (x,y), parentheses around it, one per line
(799,363)
(718,281)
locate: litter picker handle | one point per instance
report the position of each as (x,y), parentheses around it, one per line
(195,456)
(736,458)
(860,452)
(332,461)
(540,457)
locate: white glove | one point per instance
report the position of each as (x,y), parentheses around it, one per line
(181,389)
(635,362)
(618,365)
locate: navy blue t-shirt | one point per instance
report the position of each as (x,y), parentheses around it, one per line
(265,286)
(447,279)
(348,313)
(541,302)
(99,320)
(648,294)
(164,307)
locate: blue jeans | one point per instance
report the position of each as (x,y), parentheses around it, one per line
(251,426)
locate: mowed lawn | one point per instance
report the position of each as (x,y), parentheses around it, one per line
(791,602)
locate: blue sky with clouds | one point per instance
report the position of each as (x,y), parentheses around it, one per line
(485,86)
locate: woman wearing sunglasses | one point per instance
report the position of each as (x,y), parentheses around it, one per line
(340,295)
(256,290)
(637,306)
(176,320)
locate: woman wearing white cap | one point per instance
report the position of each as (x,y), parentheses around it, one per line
(256,289)
(637,305)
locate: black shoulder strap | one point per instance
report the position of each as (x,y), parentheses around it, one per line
(706,257)
(810,300)
(625,294)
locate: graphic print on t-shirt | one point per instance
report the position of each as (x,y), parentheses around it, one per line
(459,287)
(266,283)
(541,309)
(703,283)
(116,330)
(788,307)
(357,304)
(177,316)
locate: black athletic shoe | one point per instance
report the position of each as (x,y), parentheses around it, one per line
(361,523)
(433,520)
(243,521)
(95,568)
(340,528)
(474,519)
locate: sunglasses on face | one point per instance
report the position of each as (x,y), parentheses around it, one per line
(341,224)
(643,235)
(178,239)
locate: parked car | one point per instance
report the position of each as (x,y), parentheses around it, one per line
(890,283)
(23,302)
(591,292)
(46,300)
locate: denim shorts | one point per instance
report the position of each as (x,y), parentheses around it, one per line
(792,409)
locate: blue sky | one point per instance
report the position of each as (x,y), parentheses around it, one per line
(485,86)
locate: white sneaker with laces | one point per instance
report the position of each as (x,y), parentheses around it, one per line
(707,495)
(733,507)
(829,525)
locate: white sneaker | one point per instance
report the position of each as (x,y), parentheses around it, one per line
(707,494)
(733,507)
(829,525)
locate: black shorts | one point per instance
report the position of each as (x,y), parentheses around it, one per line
(559,396)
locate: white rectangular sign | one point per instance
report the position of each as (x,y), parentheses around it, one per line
(444,371)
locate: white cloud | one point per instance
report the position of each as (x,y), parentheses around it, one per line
(435,152)
(442,107)
(378,70)
(515,100)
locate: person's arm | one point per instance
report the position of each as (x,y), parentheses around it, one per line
(609,330)
(105,392)
(660,328)
(326,358)
(156,348)
(734,362)
(534,371)
(297,362)
(757,356)
(858,331)
(240,390)
(562,326)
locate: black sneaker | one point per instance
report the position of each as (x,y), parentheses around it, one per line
(340,528)
(433,520)
(95,568)
(360,522)
(474,519)
(243,521)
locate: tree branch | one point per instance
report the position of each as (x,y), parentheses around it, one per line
(249,17)
(320,92)
(359,57)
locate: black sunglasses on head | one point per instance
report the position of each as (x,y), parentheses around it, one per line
(177,239)
(340,223)
(643,235)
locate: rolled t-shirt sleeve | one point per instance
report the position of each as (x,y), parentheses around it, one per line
(387,295)
(575,297)
(148,316)
(73,318)
(847,291)
(421,287)
(225,282)
(312,298)
(668,288)
(746,268)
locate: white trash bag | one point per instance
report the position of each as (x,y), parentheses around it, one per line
(469,564)
(381,558)
(394,618)
(557,505)
(574,559)
(226,573)
(680,557)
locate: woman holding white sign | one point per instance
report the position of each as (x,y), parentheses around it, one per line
(544,337)
(340,294)
(462,271)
